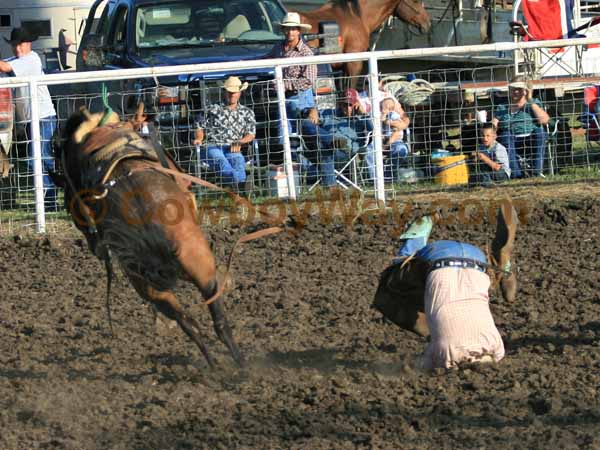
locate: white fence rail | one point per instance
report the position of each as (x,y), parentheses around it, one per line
(372,58)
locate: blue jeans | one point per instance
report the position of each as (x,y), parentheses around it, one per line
(322,153)
(229,167)
(396,156)
(324,167)
(532,147)
(295,106)
(487,177)
(47,128)
(440,250)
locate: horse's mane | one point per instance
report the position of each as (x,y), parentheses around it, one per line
(352,6)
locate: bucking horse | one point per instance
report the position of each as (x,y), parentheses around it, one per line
(125,195)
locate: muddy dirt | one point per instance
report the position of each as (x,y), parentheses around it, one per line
(324,371)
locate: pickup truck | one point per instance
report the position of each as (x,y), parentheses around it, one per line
(141,33)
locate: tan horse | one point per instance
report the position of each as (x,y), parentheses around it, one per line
(357,19)
(123,202)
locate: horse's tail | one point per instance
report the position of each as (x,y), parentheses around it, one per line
(144,252)
(141,247)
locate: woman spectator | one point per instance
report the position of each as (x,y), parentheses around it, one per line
(520,128)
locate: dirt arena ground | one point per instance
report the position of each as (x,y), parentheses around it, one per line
(324,371)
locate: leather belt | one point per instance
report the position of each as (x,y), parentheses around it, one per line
(289,94)
(458,263)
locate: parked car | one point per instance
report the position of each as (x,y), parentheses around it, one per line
(144,33)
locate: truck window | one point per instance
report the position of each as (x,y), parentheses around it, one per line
(190,22)
(120,28)
(102,26)
(5,21)
(39,28)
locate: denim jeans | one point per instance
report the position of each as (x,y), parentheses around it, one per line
(396,156)
(229,167)
(324,167)
(295,106)
(532,147)
(486,177)
(440,250)
(47,128)
(321,152)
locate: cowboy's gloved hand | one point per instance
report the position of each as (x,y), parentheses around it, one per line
(313,116)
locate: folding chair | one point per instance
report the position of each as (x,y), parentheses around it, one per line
(547,20)
(355,167)
(589,118)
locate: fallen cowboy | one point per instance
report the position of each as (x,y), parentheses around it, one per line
(440,290)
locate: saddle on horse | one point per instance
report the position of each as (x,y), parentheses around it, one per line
(104,147)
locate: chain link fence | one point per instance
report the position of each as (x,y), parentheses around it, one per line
(382,135)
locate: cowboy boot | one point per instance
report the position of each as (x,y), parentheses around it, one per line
(502,248)
(416,235)
(421,227)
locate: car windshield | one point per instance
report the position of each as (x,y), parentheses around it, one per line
(207,22)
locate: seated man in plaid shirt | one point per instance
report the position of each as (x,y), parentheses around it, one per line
(228,126)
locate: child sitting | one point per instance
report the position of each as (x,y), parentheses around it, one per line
(491,158)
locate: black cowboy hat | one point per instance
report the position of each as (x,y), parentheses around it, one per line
(20,35)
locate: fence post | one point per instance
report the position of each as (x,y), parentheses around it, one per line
(285,133)
(377,140)
(36,143)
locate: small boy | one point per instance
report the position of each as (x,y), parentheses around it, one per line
(491,159)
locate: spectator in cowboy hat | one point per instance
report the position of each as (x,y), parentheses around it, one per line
(520,128)
(299,81)
(227,126)
(27,63)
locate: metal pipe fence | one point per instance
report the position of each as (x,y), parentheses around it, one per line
(351,149)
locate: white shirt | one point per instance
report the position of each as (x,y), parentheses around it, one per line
(31,65)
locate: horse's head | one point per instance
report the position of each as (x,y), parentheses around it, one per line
(413,12)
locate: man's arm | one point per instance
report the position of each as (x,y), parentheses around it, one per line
(5,67)
(199,136)
(540,114)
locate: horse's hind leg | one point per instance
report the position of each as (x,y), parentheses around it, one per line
(167,304)
(198,262)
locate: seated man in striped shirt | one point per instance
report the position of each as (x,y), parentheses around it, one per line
(441,290)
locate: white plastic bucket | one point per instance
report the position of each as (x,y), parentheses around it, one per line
(277,181)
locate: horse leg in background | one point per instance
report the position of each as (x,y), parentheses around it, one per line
(198,262)
(167,304)
(353,71)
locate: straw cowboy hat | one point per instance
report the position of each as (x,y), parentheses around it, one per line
(20,35)
(234,84)
(292,19)
(519,82)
